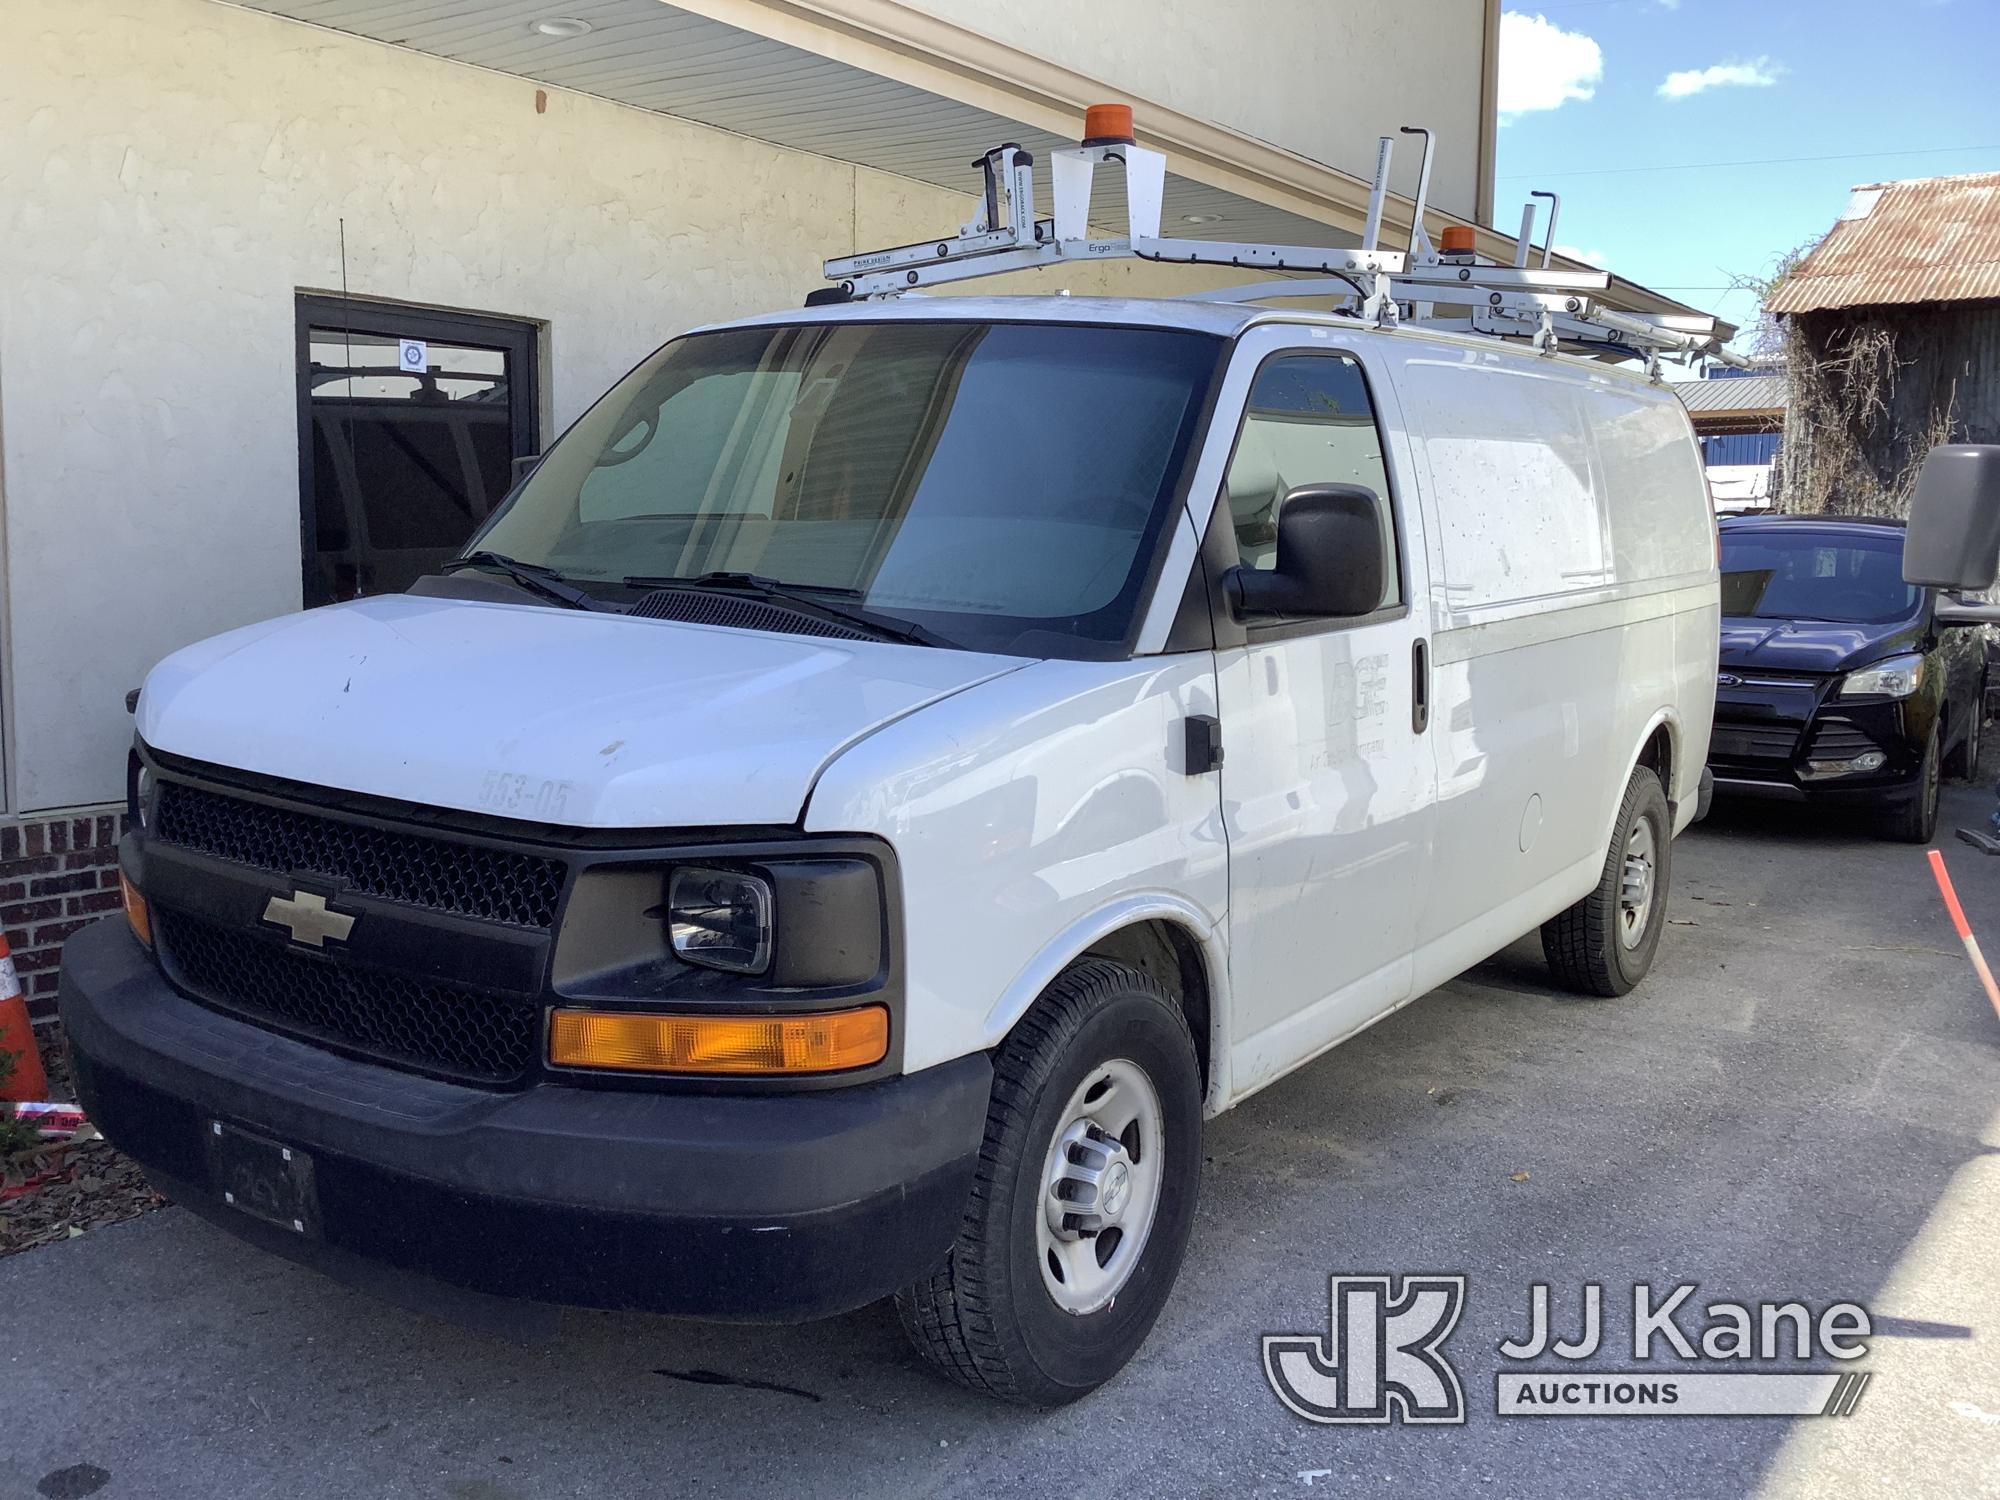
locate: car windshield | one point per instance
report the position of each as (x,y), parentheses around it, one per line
(1000,485)
(1815,575)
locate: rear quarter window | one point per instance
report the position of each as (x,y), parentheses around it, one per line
(1659,508)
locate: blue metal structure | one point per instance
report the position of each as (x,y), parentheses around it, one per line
(1740,448)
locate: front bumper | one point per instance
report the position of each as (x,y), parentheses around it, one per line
(1764,746)
(770,1207)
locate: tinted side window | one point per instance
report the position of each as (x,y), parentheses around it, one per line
(1309,422)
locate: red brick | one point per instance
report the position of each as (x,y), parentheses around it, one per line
(57,885)
(43,984)
(37,961)
(10,841)
(108,880)
(96,901)
(16,891)
(21,914)
(31,839)
(109,831)
(57,834)
(57,933)
(90,859)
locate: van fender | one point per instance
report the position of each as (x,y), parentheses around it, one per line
(1672,720)
(1073,941)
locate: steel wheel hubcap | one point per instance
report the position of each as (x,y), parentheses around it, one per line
(1100,1187)
(1635,888)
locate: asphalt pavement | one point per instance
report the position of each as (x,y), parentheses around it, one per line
(1801,1102)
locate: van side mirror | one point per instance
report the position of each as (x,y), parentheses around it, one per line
(1329,556)
(1960,612)
(1953,537)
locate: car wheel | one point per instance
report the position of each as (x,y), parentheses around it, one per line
(1605,943)
(1083,1199)
(1916,821)
(1965,761)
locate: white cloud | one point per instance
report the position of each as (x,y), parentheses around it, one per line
(1542,66)
(1589,257)
(1760,73)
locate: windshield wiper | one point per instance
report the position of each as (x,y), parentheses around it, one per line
(803,597)
(533,577)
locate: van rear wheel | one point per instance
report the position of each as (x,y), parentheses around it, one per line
(1083,1198)
(1605,943)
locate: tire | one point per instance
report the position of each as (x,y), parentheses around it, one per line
(988,1318)
(1916,821)
(1965,759)
(1604,944)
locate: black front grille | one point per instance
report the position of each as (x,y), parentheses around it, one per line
(1753,742)
(398,1019)
(1836,740)
(471,880)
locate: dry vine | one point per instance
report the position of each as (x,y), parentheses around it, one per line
(1853,444)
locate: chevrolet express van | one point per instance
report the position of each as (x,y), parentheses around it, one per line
(888,775)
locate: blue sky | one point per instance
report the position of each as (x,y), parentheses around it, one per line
(1606,101)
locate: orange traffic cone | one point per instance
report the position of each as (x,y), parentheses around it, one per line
(25,1080)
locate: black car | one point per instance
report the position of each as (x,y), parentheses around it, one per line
(1838,682)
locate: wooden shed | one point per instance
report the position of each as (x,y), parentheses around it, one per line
(1892,340)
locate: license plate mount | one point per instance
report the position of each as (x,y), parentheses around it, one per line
(264,1178)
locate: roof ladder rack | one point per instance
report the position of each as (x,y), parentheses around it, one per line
(1548,307)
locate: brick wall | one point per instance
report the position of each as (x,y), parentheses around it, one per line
(55,875)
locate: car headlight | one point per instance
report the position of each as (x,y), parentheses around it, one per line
(720,919)
(141,788)
(1896,677)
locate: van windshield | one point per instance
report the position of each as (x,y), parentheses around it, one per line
(1781,574)
(1001,485)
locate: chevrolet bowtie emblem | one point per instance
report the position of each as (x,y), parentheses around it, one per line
(308,919)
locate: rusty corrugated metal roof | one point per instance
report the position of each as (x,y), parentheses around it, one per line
(1928,239)
(1742,394)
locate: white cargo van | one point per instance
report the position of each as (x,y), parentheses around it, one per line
(890,772)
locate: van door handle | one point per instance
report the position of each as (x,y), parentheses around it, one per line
(1420,687)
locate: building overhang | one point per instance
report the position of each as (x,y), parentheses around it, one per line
(883,85)
(1736,423)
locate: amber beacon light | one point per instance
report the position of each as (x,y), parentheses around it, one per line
(642,1042)
(1108,125)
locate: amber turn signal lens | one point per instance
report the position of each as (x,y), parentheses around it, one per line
(635,1042)
(136,911)
(1457,239)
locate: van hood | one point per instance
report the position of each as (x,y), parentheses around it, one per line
(1818,646)
(548,715)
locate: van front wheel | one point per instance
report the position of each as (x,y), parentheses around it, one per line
(1605,943)
(1083,1199)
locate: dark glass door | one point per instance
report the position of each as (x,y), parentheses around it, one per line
(409,425)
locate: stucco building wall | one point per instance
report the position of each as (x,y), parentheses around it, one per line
(1319,78)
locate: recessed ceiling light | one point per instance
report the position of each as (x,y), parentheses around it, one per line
(1199,218)
(562,26)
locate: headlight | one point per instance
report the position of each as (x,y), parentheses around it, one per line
(720,919)
(140,790)
(1897,677)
